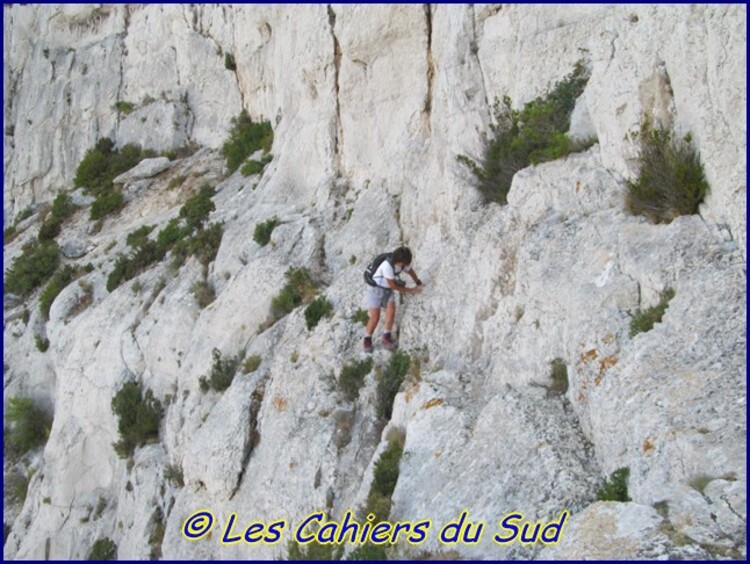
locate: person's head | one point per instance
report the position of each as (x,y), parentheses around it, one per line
(402,255)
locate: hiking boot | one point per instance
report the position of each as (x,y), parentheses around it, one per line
(388,342)
(368,344)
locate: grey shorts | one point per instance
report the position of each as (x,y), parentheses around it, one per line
(377,297)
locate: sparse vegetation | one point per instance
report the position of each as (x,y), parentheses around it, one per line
(28,426)
(33,268)
(62,208)
(204,293)
(98,169)
(559,375)
(299,289)
(124,107)
(229,62)
(251,364)
(176,182)
(139,416)
(57,284)
(390,382)
(252,166)
(616,487)
(319,308)
(644,320)
(103,549)
(222,373)
(183,240)
(700,482)
(262,233)
(385,476)
(533,135)
(173,474)
(42,343)
(353,376)
(671,181)
(361,316)
(245,138)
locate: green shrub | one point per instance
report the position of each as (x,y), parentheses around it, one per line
(317,309)
(671,181)
(252,166)
(353,376)
(42,343)
(57,284)
(644,320)
(203,245)
(361,316)
(9,234)
(222,373)
(559,375)
(173,474)
(616,487)
(198,207)
(50,229)
(262,233)
(251,364)
(203,293)
(171,234)
(29,426)
(229,62)
(176,182)
(62,206)
(390,382)
(139,237)
(102,164)
(245,138)
(532,135)
(139,417)
(33,268)
(299,289)
(385,476)
(103,549)
(124,107)
(106,203)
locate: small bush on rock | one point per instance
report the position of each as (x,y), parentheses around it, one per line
(262,233)
(644,320)
(57,284)
(245,138)
(103,549)
(390,382)
(671,181)
(28,426)
(353,376)
(385,476)
(255,167)
(616,487)
(533,135)
(139,417)
(299,289)
(319,308)
(33,268)
(222,373)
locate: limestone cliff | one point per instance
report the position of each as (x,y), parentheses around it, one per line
(370,107)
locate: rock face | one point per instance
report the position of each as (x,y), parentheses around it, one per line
(370,107)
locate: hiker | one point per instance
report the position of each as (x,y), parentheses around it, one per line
(382,281)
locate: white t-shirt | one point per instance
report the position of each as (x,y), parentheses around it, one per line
(386,272)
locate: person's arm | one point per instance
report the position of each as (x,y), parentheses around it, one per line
(413,274)
(394,286)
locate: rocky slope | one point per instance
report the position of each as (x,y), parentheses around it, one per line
(370,107)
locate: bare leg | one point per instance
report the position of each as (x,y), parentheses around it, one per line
(373,321)
(390,315)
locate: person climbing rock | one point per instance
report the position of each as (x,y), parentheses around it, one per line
(383,282)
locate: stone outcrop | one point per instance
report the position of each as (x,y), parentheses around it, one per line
(370,107)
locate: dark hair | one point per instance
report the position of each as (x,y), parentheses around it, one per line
(402,255)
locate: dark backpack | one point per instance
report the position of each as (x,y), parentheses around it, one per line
(374,265)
